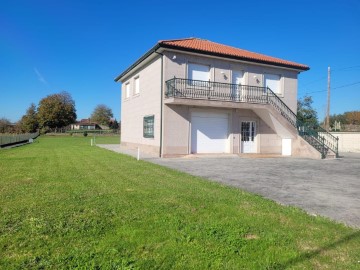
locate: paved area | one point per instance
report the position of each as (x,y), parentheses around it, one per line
(329,188)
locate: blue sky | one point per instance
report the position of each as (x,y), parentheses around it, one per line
(80,46)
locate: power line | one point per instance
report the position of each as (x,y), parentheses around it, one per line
(346,85)
(338,87)
(350,68)
(315,81)
(346,68)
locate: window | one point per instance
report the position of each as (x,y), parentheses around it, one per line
(137,85)
(127,90)
(149,126)
(273,82)
(198,72)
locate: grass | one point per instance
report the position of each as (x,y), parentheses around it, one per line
(65,205)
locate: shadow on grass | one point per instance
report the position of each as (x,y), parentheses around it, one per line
(309,255)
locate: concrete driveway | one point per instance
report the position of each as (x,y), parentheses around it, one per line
(330,188)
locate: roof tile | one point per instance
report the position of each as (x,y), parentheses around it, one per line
(206,46)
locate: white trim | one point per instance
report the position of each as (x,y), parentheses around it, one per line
(136,79)
(127,93)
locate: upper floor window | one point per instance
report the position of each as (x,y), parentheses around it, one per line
(198,72)
(273,82)
(127,90)
(137,85)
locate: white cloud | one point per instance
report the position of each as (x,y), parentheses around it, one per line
(40,77)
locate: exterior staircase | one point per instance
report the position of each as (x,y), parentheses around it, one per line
(323,141)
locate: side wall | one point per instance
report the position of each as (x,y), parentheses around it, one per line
(176,64)
(146,103)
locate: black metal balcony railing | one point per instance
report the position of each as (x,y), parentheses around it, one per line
(208,90)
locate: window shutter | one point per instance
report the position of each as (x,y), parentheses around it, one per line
(198,72)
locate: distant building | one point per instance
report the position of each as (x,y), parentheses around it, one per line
(85,124)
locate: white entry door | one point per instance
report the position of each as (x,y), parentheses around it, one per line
(248,133)
(237,81)
(209,132)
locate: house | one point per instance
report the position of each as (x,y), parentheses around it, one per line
(191,95)
(84,124)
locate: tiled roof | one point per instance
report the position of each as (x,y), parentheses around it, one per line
(209,47)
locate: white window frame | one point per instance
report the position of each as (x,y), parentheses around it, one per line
(279,91)
(190,75)
(127,90)
(136,85)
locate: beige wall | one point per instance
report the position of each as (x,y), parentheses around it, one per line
(147,102)
(177,130)
(348,141)
(178,67)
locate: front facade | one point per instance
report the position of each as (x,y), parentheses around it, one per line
(193,96)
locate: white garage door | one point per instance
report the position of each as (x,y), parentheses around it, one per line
(209,132)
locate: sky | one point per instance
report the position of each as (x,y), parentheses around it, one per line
(80,46)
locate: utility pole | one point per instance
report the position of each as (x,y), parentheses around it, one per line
(327,123)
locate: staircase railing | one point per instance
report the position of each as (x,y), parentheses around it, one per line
(316,136)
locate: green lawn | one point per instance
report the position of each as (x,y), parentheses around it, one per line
(108,139)
(65,204)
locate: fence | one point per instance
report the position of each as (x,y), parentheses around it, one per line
(17,138)
(94,131)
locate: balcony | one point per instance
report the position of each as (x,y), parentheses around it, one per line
(179,89)
(207,90)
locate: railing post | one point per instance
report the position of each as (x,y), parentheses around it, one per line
(322,138)
(209,89)
(267,95)
(174,88)
(337,147)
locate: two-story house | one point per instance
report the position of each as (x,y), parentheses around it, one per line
(193,96)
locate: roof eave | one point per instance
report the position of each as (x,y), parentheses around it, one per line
(297,67)
(141,59)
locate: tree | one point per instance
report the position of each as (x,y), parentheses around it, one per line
(353,117)
(102,115)
(29,122)
(113,124)
(305,112)
(5,125)
(56,111)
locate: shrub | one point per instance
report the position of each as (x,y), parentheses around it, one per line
(85,133)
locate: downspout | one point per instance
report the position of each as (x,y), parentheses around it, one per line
(161,101)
